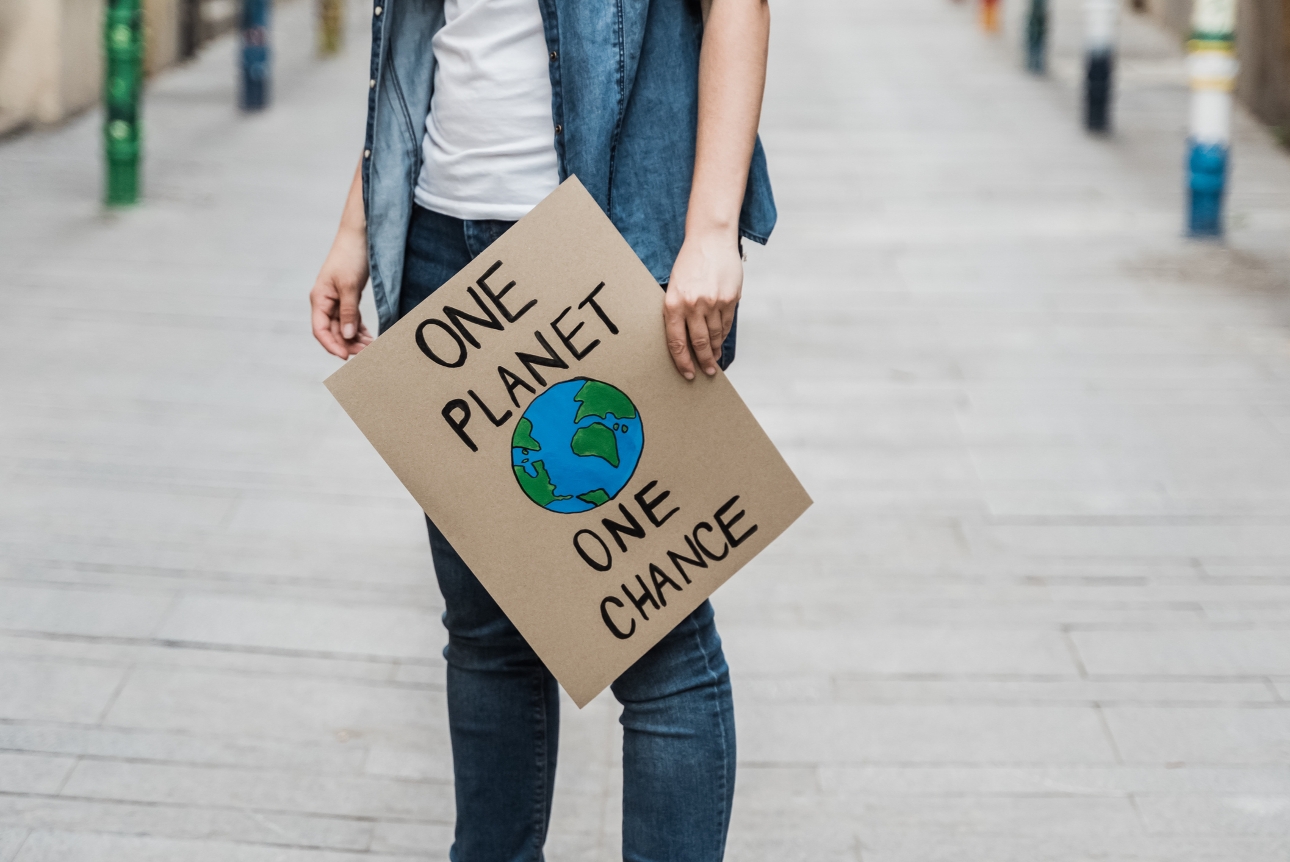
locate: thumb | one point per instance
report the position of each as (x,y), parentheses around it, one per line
(348,312)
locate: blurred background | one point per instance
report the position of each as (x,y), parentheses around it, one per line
(1023,332)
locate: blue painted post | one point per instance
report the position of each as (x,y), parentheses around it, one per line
(1211,66)
(1037,37)
(1099,62)
(256,67)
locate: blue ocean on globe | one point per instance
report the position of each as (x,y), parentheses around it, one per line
(577,445)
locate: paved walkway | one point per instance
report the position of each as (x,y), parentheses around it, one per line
(1041,610)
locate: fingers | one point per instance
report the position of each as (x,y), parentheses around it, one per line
(701,339)
(325,331)
(349,321)
(678,343)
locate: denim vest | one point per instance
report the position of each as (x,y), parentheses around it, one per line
(624,87)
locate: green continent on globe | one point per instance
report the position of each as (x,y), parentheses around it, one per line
(523,437)
(539,488)
(597,497)
(596,439)
(601,399)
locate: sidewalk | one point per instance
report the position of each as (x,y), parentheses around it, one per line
(1040,611)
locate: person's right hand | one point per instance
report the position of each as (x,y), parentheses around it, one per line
(334,299)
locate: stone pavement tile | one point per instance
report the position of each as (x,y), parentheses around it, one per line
(293,709)
(977,689)
(99,511)
(1048,780)
(376,519)
(1254,735)
(217,657)
(178,820)
(51,846)
(1242,814)
(270,790)
(927,481)
(56,691)
(28,772)
(918,733)
(95,613)
(1252,540)
(48,738)
(429,763)
(1185,652)
(10,841)
(880,649)
(369,630)
(430,839)
(897,845)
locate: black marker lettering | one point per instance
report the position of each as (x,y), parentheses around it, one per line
(609,622)
(489,413)
(600,312)
(617,530)
(726,525)
(639,601)
(696,561)
(456,315)
(497,297)
(660,578)
(459,425)
(648,507)
(551,360)
(513,381)
(725,549)
(568,339)
(587,558)
(425,348)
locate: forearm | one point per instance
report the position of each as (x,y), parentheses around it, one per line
(353,220)
(732,76)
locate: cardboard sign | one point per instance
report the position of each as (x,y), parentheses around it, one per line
(532,409)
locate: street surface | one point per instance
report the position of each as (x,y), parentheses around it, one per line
(1040,610)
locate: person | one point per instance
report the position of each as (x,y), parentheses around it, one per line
(477,109)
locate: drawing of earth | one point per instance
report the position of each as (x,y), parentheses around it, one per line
(577,445)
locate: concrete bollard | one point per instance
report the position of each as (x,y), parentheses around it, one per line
(256,60)
(1211,67)
(1037,37)
(331,27)
(122,89)
(1100,19)
(990,16)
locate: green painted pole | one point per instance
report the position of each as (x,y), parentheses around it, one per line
(331,27)
(122,88)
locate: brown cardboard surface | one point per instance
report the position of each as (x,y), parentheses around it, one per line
(701,445)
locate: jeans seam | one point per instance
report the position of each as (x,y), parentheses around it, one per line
(539,809)
(721,813)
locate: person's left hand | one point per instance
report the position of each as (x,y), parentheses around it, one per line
(699,308)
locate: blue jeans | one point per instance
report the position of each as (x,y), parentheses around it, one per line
(504,707)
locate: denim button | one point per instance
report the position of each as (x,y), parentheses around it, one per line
(558,128)
(367,154)
(555,55)
(378,11)
(371,85)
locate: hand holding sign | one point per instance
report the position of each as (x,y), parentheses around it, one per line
(531,410)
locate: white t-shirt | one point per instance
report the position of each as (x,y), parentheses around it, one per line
(489,146)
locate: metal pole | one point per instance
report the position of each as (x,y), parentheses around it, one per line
(256,67)
(123,50)
(1211,66)
(1099,62)
(331,27)
(1037,37)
